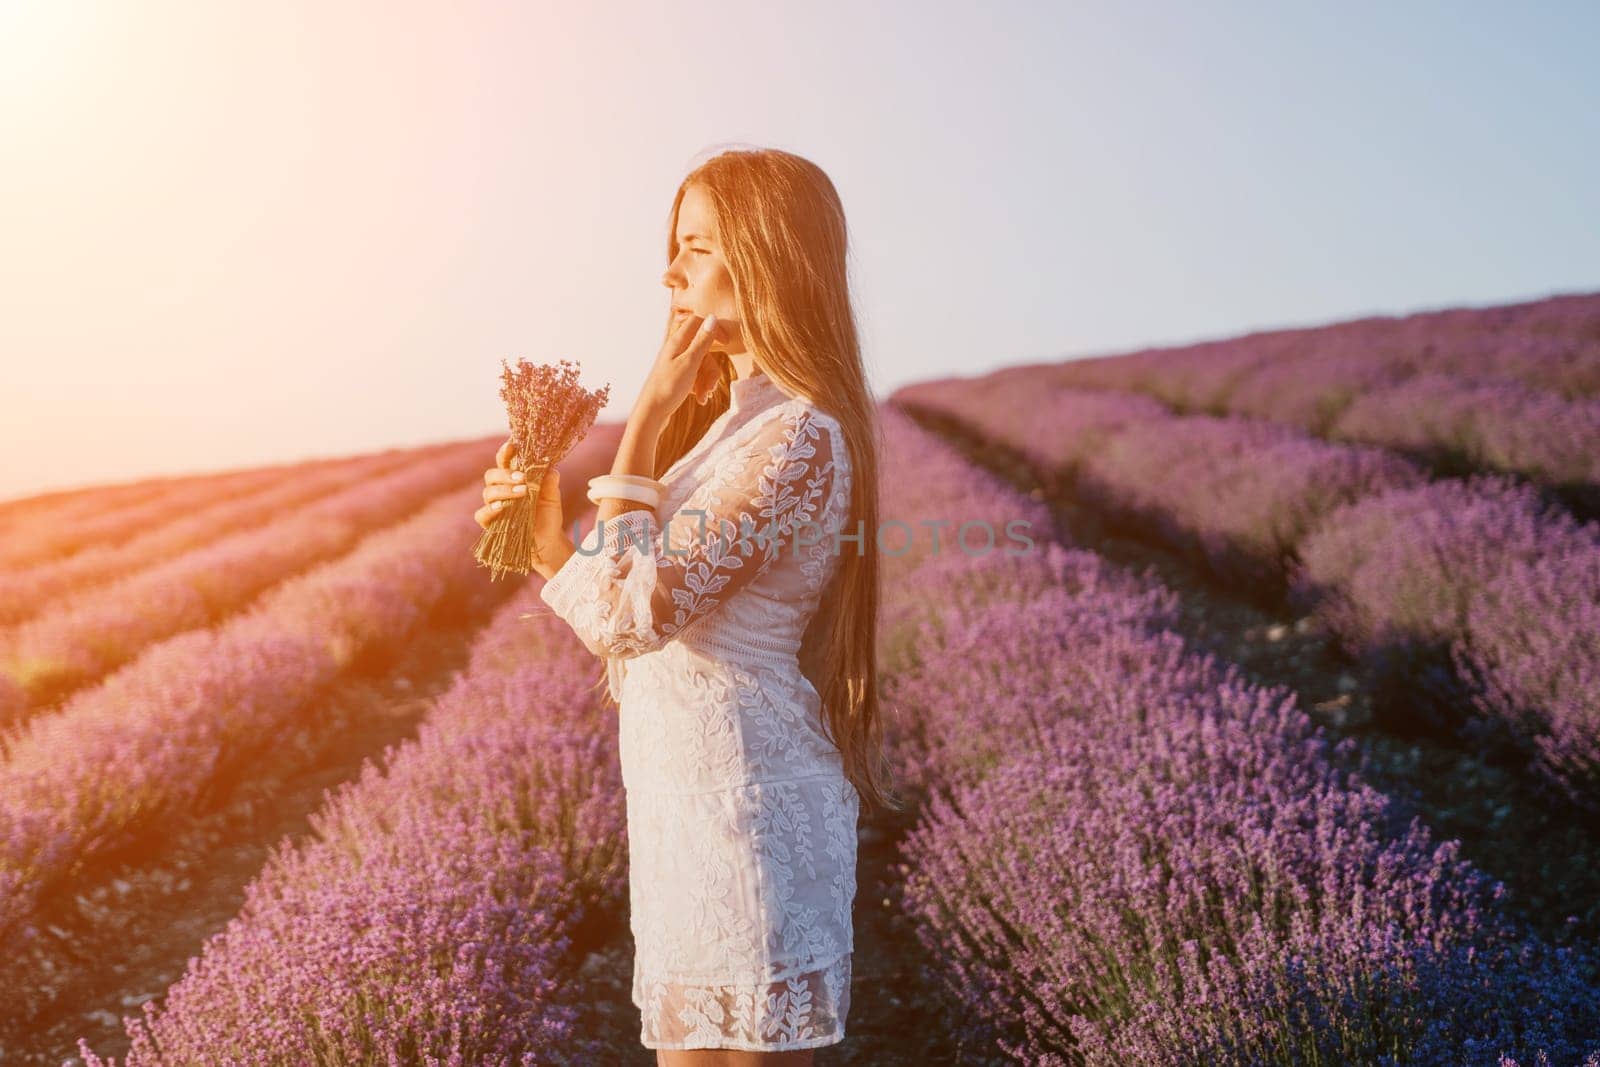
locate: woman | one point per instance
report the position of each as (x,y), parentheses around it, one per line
(739,631)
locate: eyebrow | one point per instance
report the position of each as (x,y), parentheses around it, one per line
(693,237)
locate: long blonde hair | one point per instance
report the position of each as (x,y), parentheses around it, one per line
(782,231)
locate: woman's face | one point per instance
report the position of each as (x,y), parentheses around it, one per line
(699,278)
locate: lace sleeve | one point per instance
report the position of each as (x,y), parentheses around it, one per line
(633,591)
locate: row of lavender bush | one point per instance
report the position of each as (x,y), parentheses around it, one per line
(157,737)
(81,638)
(141,539)
(290,980)
(428,919)
(373,943)
(45,536)
(53,526)
(1462,390)
(1485,596)
(69,504)
(1468,596)
(1129,855)
(1236,494)
(1551,344)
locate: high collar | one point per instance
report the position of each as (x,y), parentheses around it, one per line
(753,393)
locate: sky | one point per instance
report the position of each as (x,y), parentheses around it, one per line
(237,234)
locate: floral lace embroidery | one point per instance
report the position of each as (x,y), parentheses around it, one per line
(757,498)
(803,1011)
(741,825)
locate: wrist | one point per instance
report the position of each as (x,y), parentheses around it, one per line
(648,416)
(612,507)
(552,560)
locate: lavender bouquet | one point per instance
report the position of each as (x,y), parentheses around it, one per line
(550,413)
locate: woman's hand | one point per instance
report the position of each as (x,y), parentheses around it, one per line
(505,483)
(681,367)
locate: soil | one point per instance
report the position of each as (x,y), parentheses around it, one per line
(899,1014)
(128,932)
(1546,852)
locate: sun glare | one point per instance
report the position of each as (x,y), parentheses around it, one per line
(36,37)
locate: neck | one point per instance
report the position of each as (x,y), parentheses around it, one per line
(744,364)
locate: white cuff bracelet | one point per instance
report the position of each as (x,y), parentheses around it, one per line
(608,487)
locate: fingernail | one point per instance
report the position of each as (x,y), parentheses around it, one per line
(709,324)
(519,489)
(518,476)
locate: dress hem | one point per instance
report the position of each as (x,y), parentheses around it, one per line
(781,974)
(816,1042)
(833,1036)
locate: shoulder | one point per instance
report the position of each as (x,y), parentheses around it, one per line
(795,425)
(797,429)
(803,427)
(815,435)
(802,413)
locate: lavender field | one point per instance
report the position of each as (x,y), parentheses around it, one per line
(1279,745)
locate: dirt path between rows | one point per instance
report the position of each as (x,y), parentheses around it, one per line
(127,932)
(1547,856)
(127,937)
(898,1017)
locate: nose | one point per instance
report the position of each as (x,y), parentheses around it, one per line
(673,277)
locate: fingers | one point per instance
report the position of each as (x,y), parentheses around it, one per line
(485,515)
(502,458)
(700,342)
(496,475)
(493,508)
(504,490)
(695,354)
(685,329)
(682,333)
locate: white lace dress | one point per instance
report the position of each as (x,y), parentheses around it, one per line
(741,823)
